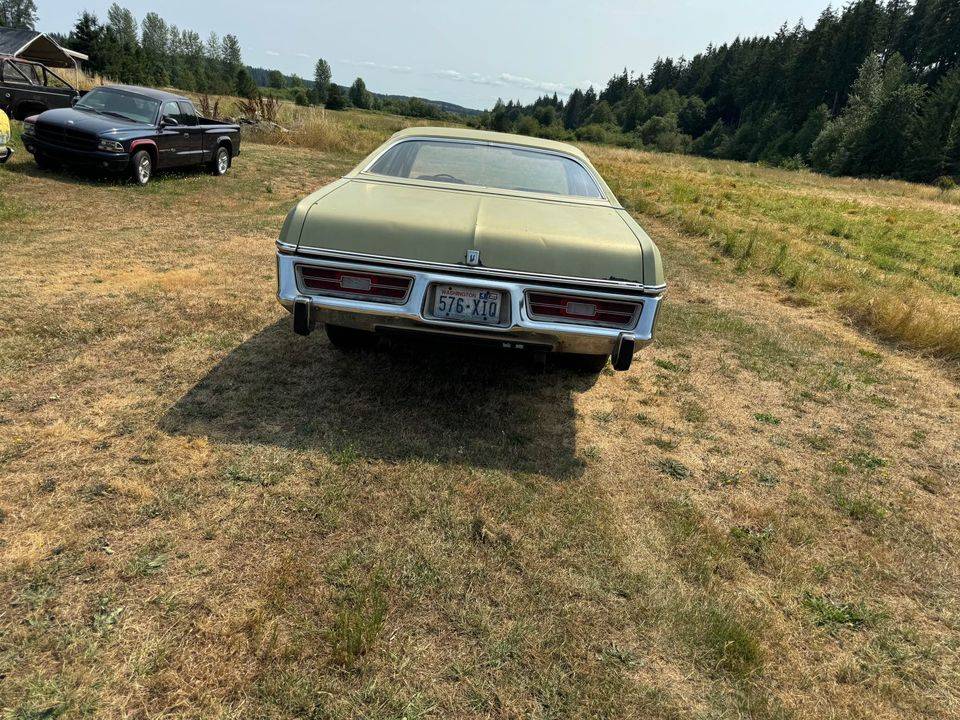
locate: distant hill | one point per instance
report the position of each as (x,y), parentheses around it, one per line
(260,76)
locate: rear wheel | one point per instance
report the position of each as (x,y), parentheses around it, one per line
(350,339)
(141,167)
(221,161)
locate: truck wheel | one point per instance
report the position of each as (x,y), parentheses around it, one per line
(221,161)
(141,167)
(43,162)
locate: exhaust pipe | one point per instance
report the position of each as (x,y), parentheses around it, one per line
(622,355)
(304,318)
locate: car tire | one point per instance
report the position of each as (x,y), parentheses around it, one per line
(141,167)
(45,163)
(350,339)
(585,364)
(221,161)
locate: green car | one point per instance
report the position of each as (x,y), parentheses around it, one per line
(478,237)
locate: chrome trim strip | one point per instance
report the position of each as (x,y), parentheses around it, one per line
(426,265)
(370,314)
(629,325)
(313,292)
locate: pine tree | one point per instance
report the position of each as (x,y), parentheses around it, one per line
(244,85)
(574,110)
(929,155)
(18,14)
(123,24)
(321,80)
(335,98)
(230,52)
(359,95)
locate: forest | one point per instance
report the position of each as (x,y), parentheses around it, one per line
(155,53)
(869,90)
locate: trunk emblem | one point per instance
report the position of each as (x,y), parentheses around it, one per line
(473,257)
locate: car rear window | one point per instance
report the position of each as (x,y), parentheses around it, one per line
(487,165)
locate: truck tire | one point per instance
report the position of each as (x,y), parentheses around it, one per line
(141,167)
(221,161)
(44,162)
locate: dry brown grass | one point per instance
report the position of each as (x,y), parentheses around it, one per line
(885,253)
(204,515)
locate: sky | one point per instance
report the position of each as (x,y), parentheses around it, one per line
(466,53)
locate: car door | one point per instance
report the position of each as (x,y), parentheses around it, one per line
(192,151)
(172,137)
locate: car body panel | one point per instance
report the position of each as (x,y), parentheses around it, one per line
(585,252)
(440,224)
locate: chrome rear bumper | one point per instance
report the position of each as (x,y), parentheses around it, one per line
(412,315)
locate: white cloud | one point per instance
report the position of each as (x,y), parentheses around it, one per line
(378,66)
(506,79)
(273,53)
(531,84)
(303,55)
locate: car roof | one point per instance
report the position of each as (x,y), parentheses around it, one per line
(464,133)
(148,92)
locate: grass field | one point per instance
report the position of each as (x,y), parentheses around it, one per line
(203,515)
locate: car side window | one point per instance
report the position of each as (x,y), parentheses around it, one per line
(171,109)
(188,116)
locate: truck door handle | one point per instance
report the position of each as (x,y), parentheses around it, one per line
(186,134)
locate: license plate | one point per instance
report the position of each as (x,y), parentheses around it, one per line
(467,304)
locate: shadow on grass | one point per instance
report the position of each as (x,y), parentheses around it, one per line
(86,175)
(436,403)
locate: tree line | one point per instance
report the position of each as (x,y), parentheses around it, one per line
(870,90)
(18,13)
(154,52)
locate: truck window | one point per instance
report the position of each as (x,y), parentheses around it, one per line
(170,109)
(188,116)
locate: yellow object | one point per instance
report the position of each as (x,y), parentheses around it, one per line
(4,129)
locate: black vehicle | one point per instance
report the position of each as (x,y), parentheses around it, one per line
(131,129)
(28,88)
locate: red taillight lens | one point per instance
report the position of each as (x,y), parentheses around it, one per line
(355,283)
(573,308)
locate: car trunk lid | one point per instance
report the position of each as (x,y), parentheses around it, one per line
(527,234)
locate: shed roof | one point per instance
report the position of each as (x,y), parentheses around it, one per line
(36,47)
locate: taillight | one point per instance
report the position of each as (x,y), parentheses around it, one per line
(586,310)
(351,283)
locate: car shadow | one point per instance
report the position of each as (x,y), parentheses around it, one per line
(436,403)
(81,175)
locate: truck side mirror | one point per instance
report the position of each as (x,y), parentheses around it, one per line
(168,120)
(74,100)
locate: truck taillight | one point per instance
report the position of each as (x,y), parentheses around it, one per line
(355,284)
(585,310)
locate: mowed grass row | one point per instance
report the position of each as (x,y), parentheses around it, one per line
(203,515)
(886,253)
